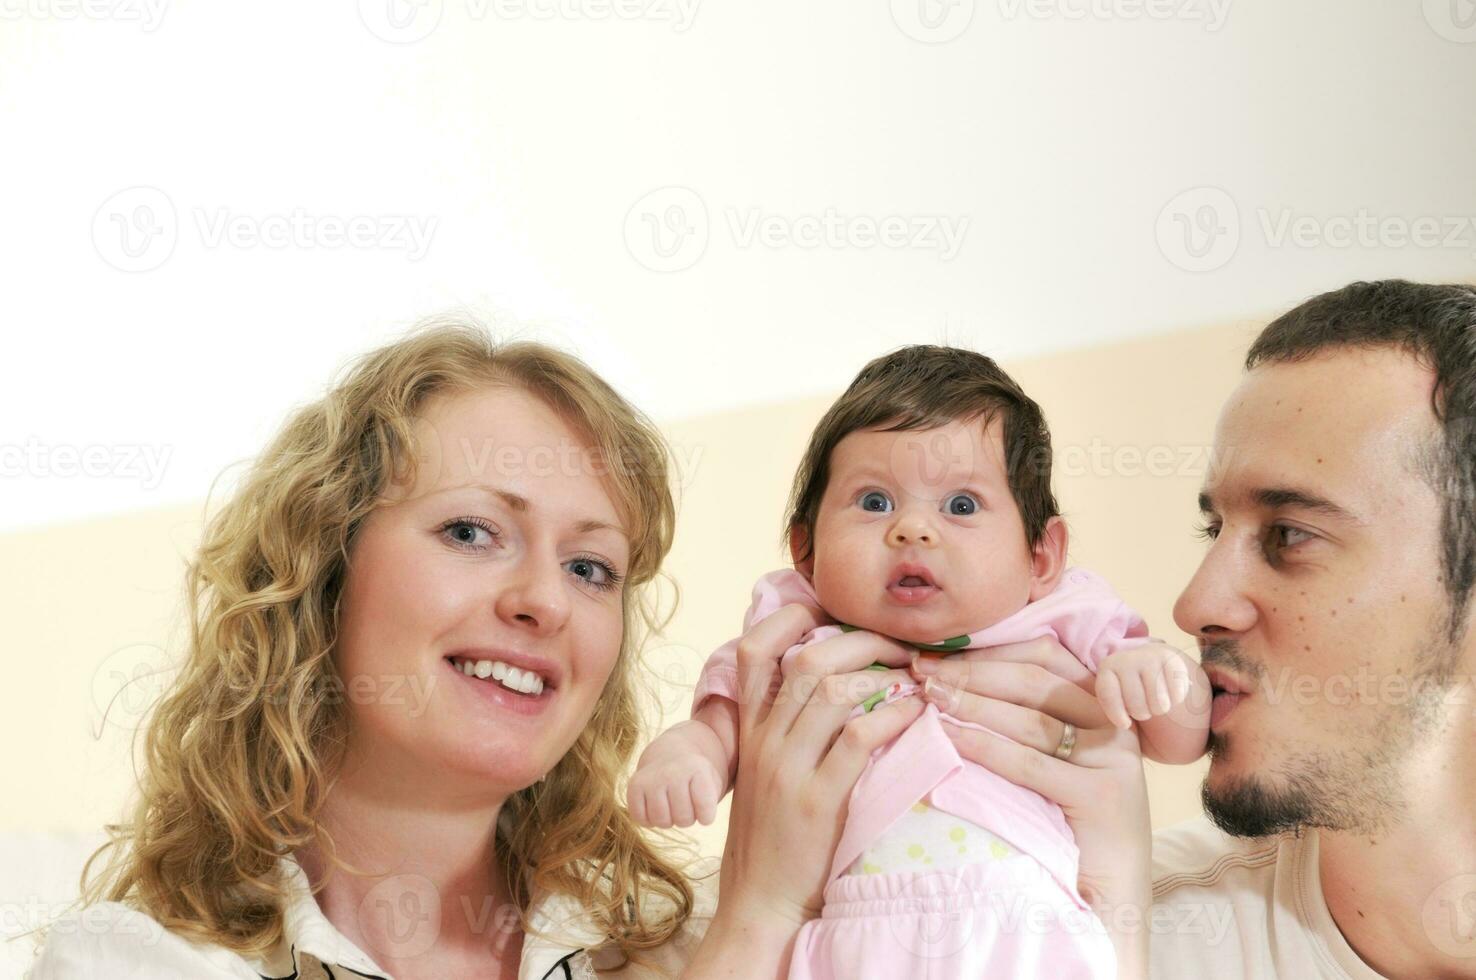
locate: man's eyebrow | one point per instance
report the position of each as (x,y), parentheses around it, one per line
(520,505)
(1274,498)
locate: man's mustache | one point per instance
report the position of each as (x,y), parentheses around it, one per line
(1226,655)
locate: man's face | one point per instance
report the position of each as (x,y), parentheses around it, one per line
(1321,596)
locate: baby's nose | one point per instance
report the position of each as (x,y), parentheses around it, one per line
(911,533)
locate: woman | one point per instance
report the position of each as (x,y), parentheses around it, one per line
(408,700)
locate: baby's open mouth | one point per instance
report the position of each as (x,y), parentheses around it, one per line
(911,583)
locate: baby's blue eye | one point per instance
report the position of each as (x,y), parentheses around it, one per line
(961,505)
(875,501)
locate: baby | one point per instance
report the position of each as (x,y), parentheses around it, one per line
(923,511)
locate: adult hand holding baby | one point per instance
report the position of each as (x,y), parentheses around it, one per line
(801,757)
(1029,692)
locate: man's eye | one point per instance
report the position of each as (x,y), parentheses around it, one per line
(875,501)
(1208,531)
(961,504)
(1283,536)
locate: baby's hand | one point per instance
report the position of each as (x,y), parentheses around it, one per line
(674,791)
(1142,683)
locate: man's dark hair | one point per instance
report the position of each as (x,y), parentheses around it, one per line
(1437,324)
(924,387)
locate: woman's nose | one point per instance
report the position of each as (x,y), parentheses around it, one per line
(536,596)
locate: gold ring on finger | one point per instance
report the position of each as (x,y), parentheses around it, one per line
(1068,741)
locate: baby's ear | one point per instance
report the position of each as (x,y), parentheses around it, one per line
(1048,559)
(799,544)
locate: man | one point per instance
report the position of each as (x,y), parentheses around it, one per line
(1333,611)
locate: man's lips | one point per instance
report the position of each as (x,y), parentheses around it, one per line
(1228,691)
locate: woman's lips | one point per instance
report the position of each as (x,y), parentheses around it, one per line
(498,696)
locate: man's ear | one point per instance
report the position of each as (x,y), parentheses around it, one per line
(799,541)
(1048,559)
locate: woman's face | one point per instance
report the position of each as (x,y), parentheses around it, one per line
(506,554)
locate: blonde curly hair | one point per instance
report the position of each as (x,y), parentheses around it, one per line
(241,751)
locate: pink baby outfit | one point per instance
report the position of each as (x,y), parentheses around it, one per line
(1008,919)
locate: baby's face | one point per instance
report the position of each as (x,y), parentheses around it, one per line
(918,536)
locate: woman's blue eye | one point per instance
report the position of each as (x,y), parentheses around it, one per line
(467,542)
(961,505)
(875,501)
(597,573)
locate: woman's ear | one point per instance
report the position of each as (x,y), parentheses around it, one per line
(1048,559)
(799,544)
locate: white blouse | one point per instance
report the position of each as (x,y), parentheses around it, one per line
(113,941)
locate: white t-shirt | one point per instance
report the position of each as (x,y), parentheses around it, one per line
(110,941)
(1229,908)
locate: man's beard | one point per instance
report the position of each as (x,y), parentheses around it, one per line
(1355,789)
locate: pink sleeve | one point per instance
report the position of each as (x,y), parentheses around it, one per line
(719,676)
(1091,619)
(1112,627)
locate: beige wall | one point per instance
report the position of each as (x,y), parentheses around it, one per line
(89,604)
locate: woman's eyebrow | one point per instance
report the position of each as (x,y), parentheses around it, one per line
(520,504)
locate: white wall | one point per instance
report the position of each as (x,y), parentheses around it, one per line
(525,137)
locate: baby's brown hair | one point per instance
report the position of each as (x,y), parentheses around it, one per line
(926,386)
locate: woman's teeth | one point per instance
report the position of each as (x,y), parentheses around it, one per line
(510,677)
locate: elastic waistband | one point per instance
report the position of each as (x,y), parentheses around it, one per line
(944,891)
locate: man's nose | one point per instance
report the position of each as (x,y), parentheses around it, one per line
(1216,600)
